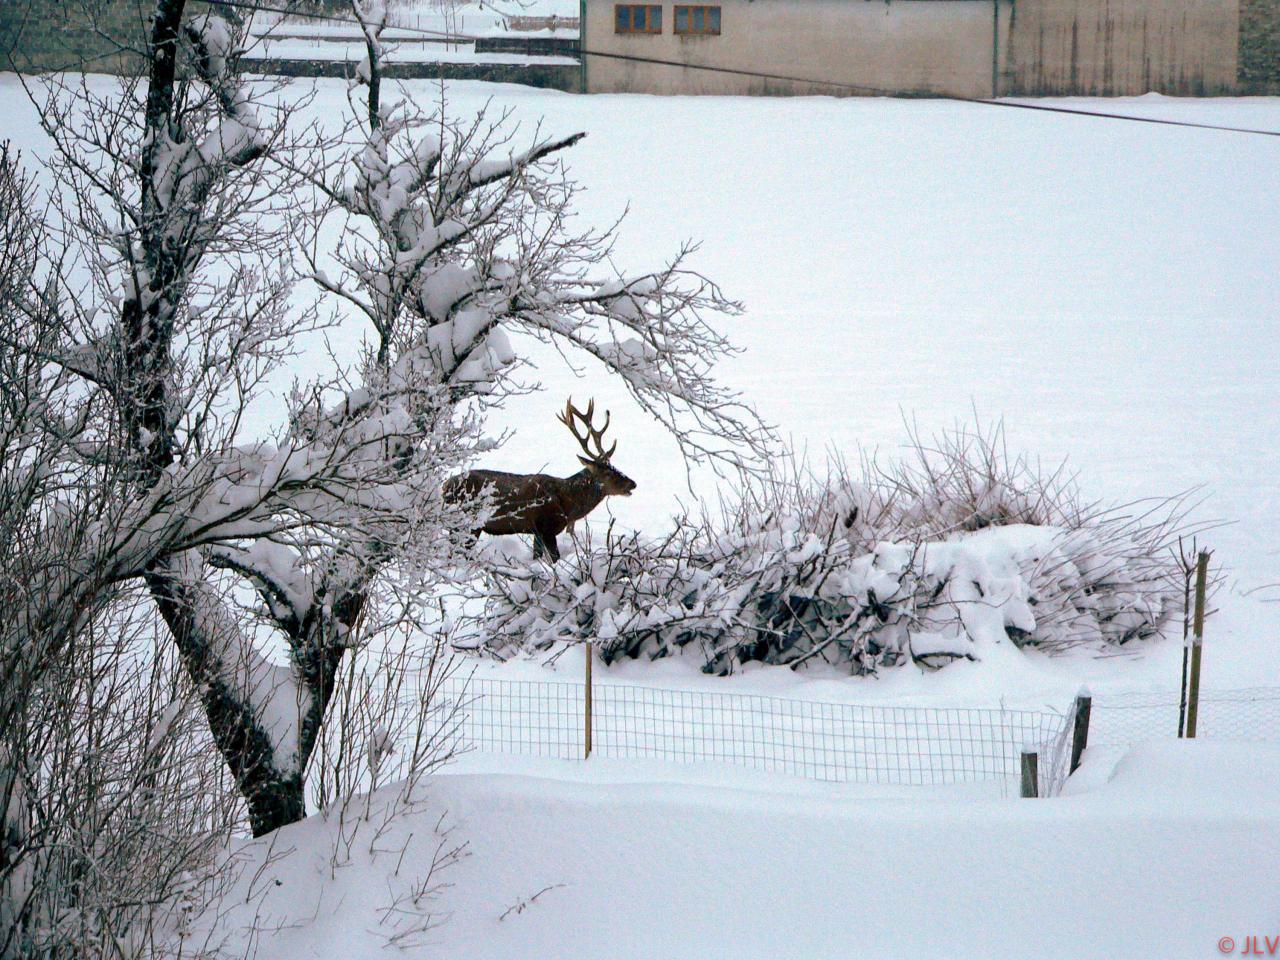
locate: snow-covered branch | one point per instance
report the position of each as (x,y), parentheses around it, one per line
(456,237)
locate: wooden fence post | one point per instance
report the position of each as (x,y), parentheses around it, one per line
(1080,731)
(587,707)
(1197,641)
(1030,774)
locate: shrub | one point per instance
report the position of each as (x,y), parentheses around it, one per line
(932,559)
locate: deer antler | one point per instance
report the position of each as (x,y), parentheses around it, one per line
(572,415)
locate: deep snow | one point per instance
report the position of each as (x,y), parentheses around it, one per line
(1158,855)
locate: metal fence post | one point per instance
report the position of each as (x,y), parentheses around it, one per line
(587,707)
(1030,774)
(1080,731)
(1197,641)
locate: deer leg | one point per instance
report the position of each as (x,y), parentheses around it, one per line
(545,539)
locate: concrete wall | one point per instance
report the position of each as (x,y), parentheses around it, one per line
(918,47)
(1121,47)
(905,46)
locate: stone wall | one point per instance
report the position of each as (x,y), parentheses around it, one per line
(96,36)
(1259,57)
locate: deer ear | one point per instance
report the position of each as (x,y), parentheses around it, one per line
(585,462)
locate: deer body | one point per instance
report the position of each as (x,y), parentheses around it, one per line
(539,504)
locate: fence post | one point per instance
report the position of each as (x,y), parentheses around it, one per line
(587,707)
(1030,774)
(1080,731)
(1197,641)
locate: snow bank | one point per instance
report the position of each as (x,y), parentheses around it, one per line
(616,864)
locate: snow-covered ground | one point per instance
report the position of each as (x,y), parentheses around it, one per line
(1103,287)
(1158,855)
(1110,291)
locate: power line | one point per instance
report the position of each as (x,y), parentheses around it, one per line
(838,84)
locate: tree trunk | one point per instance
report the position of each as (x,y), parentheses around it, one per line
(274,796)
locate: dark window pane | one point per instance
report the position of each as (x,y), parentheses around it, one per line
(682,19)
(698,24)
(655,19)
(713,19)
(623,15)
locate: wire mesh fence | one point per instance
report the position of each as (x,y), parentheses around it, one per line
(831,741)
(1251,713)
(816,740)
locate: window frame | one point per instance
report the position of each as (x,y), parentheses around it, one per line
(689,30)
(649,18)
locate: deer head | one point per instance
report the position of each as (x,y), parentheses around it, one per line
(614,482)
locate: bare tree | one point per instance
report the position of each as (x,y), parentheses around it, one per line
(109,802)
(183,197)
(172,192)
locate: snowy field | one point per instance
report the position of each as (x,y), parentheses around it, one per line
(1110,291)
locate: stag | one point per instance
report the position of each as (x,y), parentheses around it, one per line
(542,505)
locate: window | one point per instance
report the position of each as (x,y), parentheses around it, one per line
(637,18)
(698,20)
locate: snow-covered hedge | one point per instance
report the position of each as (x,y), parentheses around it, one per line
(929,560)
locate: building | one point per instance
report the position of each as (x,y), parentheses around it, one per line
(969,48)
